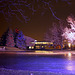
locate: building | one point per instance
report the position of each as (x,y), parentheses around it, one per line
(43,45)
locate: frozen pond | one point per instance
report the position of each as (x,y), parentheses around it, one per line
(52,63)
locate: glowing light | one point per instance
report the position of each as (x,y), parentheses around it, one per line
(35,40)
(42,46)
(44,42)
(69,45)
(44,52)
(70,65)
(69,54)
(30,47)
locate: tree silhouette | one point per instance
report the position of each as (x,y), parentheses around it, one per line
(20,41)
(3,38)
(10,39)
(7,38)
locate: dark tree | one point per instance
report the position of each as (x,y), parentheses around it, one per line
(6,38)
(16,31)
(10,39)
(20,41)
(3,38)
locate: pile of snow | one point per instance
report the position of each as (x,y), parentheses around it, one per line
(29,40)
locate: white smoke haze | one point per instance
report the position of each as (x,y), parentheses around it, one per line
(69,33)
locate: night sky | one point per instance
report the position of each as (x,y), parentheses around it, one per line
(40,21)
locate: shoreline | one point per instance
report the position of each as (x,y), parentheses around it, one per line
(38,52)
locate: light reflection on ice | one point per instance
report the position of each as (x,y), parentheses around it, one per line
(70,64)
(69,56)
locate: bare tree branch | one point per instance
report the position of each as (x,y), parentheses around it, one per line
(9,7)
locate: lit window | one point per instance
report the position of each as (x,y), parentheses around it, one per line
(44,42)
(42,46)
(30,47)
(36,43)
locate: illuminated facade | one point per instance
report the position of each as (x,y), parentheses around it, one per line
(50,45)
(43,45)
(68,45)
